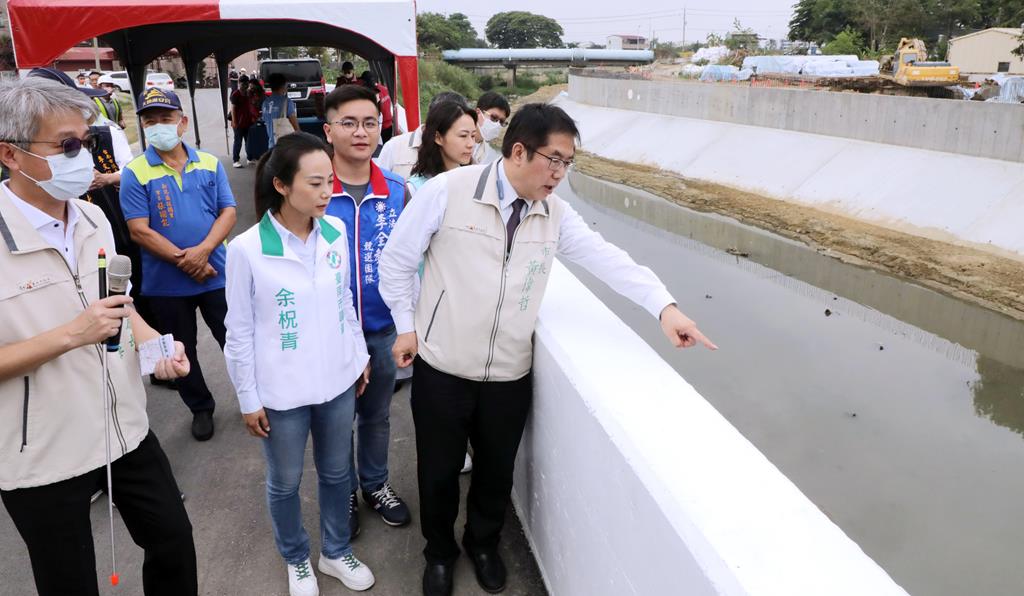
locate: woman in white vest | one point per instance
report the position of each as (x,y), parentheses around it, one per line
(296,355)
(449,130)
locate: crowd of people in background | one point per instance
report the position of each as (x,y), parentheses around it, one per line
(426,265)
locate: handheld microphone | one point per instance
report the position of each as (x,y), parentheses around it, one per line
(101,265)
(120,272)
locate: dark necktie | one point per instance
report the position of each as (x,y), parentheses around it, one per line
(513,223)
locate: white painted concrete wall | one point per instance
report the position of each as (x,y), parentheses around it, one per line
(935,194)
(630,483)
(975,128)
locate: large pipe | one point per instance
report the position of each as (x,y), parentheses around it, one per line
(567,55)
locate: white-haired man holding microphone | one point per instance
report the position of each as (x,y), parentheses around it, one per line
(52,415)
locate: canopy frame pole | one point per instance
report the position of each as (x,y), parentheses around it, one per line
(191,71)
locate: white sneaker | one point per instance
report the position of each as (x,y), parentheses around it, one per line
(467,466)
(245,162)
(349,570)
(302,580)
(237,164)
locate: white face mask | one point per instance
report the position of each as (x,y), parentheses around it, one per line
(490,129)
(70,177)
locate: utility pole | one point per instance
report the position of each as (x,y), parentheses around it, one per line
(684,27)
(96,51)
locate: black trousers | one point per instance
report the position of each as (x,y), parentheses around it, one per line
(241,133)
(447,410)
(177,315)
(53,520)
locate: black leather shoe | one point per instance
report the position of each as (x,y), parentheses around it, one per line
(437,579)
(202,425)
(490,570)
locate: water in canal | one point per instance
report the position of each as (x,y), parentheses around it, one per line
(897,410)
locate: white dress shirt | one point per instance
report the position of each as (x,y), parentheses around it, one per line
(54,231)
(422,218)
(386,158)
(122,150)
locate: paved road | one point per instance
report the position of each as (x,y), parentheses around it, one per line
(224,481)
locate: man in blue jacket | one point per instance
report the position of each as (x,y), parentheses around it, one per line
(369,201)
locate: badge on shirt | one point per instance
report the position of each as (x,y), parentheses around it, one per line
(333,259)
(34,284)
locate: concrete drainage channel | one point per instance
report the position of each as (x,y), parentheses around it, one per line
(897,410)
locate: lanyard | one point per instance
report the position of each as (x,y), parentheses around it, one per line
(501,187)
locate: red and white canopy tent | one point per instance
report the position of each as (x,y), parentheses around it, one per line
(381,31)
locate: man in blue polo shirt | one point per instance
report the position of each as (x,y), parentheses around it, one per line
(179,209)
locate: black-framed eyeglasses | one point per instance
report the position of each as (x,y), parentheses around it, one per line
(557,163)
(351,125)
(69,146)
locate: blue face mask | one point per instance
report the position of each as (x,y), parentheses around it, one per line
(162,136)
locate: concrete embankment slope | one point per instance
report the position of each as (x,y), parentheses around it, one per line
(941,169)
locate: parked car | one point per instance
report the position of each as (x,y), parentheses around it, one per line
(304,79)
(161,80)
(120,80)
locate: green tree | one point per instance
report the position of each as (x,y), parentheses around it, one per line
(820,20)
(434,30)
(847,42)
(881,23)
(741,37)
(665,50)
(467,33)
(519,29)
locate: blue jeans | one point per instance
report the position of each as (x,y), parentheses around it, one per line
(331,426)
(373,414)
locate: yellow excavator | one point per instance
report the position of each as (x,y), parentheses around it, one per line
(909,67)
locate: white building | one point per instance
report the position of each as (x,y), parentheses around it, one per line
(628,42)
(988,51)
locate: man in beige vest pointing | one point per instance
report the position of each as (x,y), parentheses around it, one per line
(487,236)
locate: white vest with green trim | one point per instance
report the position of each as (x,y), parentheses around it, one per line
(307,345)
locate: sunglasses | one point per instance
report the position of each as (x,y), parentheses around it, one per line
(69,146)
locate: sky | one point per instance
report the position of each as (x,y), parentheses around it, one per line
(594,20)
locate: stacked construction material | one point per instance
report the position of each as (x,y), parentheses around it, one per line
(822,66)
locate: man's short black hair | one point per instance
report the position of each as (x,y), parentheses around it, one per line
(447,96)
(346,93)
(276,81)
(533,124)
(494,100)
(347,66)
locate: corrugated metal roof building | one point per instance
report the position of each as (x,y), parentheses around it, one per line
(987,51)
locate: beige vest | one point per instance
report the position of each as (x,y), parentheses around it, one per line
(477,310)
(51,419)
(406,152)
